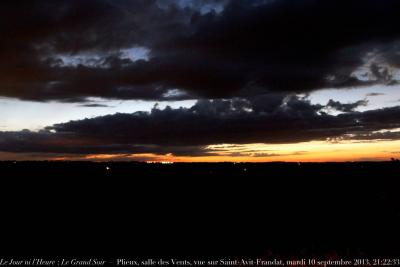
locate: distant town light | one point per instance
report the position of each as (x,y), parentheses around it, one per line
(159,162)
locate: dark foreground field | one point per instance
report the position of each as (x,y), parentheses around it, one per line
(137,209)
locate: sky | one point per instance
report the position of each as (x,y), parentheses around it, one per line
(200,80)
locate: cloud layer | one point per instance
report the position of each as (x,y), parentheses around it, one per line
(205,49)
(275,119)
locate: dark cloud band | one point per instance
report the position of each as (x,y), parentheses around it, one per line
(272,119)
(208,49)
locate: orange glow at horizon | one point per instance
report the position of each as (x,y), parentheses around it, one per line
(315,151)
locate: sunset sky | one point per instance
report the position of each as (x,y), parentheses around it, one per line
(200,80)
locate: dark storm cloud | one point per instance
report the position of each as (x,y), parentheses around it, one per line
(188,131)
(234,121)
(375,94)
(35,32)
(95,106)
(47,142)
(346,107)
(384,135)
(209,49)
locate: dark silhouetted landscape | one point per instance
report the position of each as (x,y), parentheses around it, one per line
(204,209)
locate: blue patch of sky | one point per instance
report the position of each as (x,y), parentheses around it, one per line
(18,115)
(378,96)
